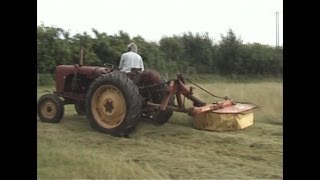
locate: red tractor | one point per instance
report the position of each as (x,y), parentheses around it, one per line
(114,101)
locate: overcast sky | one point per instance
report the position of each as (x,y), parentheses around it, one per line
(252,20)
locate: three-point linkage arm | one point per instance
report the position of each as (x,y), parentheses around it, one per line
(179,89)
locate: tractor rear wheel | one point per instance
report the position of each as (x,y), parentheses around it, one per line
(113,104)
(50,108)
(80,108)
(160,117)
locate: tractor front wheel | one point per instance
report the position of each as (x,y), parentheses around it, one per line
(113,104)
(50,108)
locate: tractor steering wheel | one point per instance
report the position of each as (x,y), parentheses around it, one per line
(110,65)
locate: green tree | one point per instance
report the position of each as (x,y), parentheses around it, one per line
(229,60)
(52,50)
(188,54)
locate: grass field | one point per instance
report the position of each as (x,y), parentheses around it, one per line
(72,149)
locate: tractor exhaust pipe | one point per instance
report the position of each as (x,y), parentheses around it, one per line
(81,57)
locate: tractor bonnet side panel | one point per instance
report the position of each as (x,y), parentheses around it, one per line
(62,71)
(91,72)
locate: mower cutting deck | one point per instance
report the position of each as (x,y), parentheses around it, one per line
(233,117)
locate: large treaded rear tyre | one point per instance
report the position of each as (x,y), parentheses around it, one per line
(113,104)
(50,108)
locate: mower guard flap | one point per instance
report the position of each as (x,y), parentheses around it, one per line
(238,108)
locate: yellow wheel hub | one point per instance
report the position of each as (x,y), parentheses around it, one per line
(48,109)
(108,106)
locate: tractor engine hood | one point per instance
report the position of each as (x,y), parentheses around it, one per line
(62,71)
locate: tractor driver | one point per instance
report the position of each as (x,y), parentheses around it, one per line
(131,60)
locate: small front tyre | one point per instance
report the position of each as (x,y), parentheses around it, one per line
(50,108)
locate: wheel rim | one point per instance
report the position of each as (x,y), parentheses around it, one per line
(48,109)
(108,106)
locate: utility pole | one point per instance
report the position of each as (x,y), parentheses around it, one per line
(277,29)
